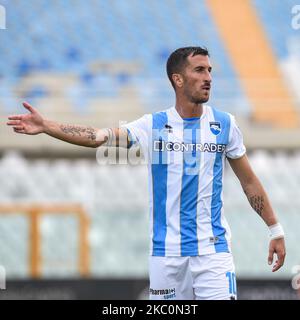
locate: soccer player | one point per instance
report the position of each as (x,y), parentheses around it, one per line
(186,147)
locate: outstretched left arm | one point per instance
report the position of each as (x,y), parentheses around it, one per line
(259,201)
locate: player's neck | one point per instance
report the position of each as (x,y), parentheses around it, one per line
(189,109)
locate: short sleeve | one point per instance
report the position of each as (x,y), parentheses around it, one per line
(138,131)
(235,148)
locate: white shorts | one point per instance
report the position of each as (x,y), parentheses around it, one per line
(207,277)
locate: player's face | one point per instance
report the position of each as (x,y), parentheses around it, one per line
(197,79)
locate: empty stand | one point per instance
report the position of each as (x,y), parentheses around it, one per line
(115,197)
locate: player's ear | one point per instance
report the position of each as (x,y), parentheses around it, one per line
(177,79)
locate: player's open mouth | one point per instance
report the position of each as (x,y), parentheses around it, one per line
(206,87)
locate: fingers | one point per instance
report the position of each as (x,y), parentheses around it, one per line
(277,246)
(17,126)
(28,107)
(15,117)
(14,123)
(279,263)
(20,116)
(19,130)
(270,257)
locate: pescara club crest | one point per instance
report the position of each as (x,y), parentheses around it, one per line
(215,127)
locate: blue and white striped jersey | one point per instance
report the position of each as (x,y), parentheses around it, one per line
(186,159)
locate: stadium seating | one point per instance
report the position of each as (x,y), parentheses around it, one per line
(115,197)
(285,40)
(275,13)
(64,42)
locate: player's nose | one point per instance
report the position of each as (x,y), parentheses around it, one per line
(208,77)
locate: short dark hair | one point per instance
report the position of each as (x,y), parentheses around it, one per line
(178,59)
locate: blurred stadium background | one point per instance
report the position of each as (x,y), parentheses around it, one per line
(71,228)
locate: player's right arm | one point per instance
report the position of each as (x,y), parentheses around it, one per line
(33,123)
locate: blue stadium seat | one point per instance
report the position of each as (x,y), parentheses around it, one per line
(274,13)
(67,36)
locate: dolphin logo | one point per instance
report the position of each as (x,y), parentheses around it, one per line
(215,128)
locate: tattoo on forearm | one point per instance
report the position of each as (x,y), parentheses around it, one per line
(91,133)
(87,132)
(257,203)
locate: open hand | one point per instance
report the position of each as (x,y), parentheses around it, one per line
(30,123)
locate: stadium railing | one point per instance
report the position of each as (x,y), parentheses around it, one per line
(34,213)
